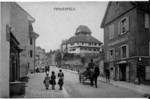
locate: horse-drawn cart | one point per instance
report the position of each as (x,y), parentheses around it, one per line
(85,75)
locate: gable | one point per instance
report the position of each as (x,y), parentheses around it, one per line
(111,12)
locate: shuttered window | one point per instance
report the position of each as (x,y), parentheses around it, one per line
(147,21)
(149,48)
(111,54)
(119,28)
(124,25)
(31,53)
(124,51)
(111,31)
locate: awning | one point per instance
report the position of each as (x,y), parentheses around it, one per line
(122,62)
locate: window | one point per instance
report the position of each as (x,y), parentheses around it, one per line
(31,42)
(72,43)
(111,31)
(147,21)
(147,72)
(123,26)
(116,6)
(89,43)
(31,53)
(124,51)
(111,54)
(149,48)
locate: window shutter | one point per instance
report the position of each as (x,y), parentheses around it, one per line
(114,54)
(149,48)
(147,23)
(120,53)
(111,31)
(107,55)
(127,24)
(127,49)
(119,28)
(112,28)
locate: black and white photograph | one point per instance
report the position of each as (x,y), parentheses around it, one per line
(75,49)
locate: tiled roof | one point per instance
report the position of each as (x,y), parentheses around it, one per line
(82,38)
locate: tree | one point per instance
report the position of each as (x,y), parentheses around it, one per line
(58,57)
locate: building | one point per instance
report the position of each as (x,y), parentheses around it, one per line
(41,59)
(14,46)
(82,42)
(127,41)
(79,49)
(50,57)
(32,36)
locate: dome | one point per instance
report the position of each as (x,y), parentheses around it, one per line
(82,30)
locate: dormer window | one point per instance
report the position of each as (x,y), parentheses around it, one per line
(116,6)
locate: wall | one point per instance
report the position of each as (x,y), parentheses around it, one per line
(112,13)
(4,50)
(19,21)
(31,59)
(142,36)
(130,35)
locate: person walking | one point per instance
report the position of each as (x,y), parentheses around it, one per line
(46,81)
(91,64)
(53,80)
(61,79)
(107,75)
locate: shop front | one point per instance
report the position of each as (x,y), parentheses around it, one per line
(16,87)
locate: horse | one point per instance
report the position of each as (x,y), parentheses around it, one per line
(94,76)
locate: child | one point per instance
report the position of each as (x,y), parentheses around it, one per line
(61,79)
(53,80)
(46,81)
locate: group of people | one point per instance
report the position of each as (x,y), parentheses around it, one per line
(52,80)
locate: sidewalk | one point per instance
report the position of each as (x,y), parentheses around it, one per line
(36,89)
(142,89)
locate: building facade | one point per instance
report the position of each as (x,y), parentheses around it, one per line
(126,41)
(40,57)
(79,49)
(14,36)
(32,38)
(82,42)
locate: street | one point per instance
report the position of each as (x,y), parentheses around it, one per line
(104,90)
(75,89)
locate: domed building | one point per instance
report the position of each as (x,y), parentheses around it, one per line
(82,42)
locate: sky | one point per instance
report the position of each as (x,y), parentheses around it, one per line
(53,24)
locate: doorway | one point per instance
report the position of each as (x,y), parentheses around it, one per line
(122,72)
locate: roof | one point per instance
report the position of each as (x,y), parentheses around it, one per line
(82,38)
(139,4)
(31,32)
(30,18)
(83,29)
(34,34)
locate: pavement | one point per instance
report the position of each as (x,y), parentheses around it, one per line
(142,89)
(36,89)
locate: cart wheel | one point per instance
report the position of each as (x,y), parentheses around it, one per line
(83,80)
(80,78)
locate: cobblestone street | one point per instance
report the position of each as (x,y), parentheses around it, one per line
(36,89)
